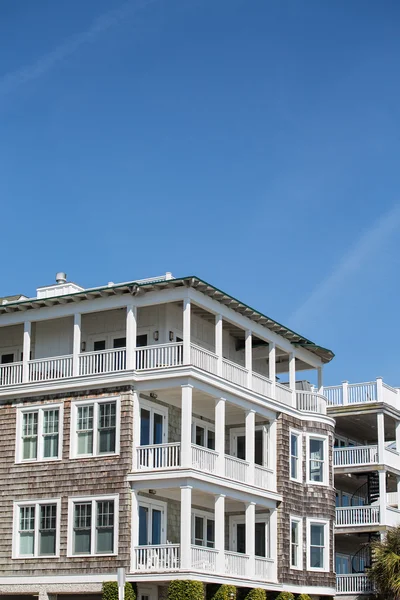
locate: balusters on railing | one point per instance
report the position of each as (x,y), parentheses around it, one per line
(165,557)
(11,373)
(234,372)
(236,563)
(357,515)
(204,559)
(355,455)
(356,583)
(46,369)
(204,459)
(236,469)
(159,456)
(204,359)
(159,356)
(103,361)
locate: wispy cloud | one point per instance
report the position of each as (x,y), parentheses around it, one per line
(11,81)
(366,246)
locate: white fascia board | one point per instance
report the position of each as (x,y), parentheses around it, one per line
(205,577)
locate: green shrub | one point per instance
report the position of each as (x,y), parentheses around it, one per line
(303,597)
(285,596)
(185,590)
(256,594)
(110,591)
(224,592)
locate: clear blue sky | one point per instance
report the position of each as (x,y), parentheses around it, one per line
(254,143)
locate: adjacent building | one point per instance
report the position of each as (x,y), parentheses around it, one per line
(155,426)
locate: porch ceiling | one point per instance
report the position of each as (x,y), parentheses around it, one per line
(200,499)
(364,423)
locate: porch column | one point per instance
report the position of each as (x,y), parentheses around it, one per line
(250,435)
(219,519)
(398,492)
(272,451)
(220,434)
(26,351)
(76,344)
(397,428)
(248,358)
(345,392)
(292,376)
(218,342)
(379,389)
(134,528)
(272,366)
(186,520)
(131,332)
(250,517)
(136,430)
(320,381)
(186,426)
(273,542)
(382,497)
(380,417)
(186,331)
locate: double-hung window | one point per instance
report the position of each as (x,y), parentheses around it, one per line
(296,542)
(93,526)
(317,545)
(95,428)
(295,455)
(36,529)
(317,467)
(203,528)
(39,433)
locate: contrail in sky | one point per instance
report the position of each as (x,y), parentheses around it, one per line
(367,245)
(45,63)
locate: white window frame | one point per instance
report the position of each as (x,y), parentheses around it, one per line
(210,516)
(16,518)
(204,425)
(325,523)
(73,452)
(154,407)
(325,470)
(299,521)
(151,504)
(299,436)
(39,408)
(93,499)
(259,518)
(234,432)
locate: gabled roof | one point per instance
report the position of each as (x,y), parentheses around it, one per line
(144,286)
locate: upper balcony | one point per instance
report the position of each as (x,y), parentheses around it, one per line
(151,340)
(368,393)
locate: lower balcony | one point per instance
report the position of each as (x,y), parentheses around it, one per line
(367,517)
(357,583)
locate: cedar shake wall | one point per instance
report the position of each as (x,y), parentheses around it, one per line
(63,479)
(302,500)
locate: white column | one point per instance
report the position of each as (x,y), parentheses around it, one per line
(26,351)
(272,366)
(272,451)
(320,381)
(273,542)
(136,429)
(250,517)
(76,344)
(186,331)
(345,392)
(134,527)
(397,429)
(186,520)
(398,493)
(379,389)
(250,439)
(220,405)
(248,358)
(380,419)
(292,376)
(382,497)
(219,516)
(186,426)
(218,342)
(131,333)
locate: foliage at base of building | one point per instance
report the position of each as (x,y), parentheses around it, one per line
(185,590)
(110,591)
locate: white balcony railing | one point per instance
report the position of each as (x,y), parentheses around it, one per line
(236,468)
(204,559)
(234,373)
(204,459)
(392,516)
(11,374)
(165,557)
(236,563)
(102,361)
(159,456)
(204,359)
(311,402)
(351,516)
(264,477)
(46,369)
(159,356)
(355,456)
(353,584)
(264,568)
(284,394)
(262,385)
(360,393)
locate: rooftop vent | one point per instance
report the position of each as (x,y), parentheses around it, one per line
(61,277)
(61,288)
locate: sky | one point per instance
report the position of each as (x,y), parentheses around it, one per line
(253,143)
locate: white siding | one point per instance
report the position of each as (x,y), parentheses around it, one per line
(53,338)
